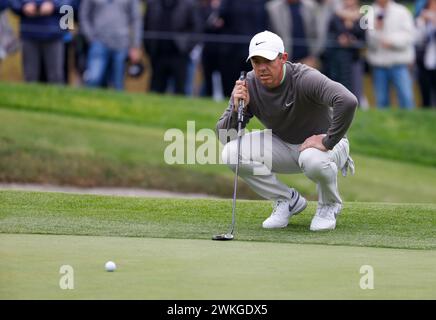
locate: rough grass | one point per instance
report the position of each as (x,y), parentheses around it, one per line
(41,147)
(391,134)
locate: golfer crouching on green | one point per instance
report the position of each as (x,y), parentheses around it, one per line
(308,114)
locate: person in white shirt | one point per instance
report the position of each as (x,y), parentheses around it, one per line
(391,51)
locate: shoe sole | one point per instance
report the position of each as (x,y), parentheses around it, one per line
(280,227)
(324,229)
(321,230)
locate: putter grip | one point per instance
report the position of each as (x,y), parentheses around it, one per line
(241,105)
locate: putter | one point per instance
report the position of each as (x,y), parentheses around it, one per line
(230,235)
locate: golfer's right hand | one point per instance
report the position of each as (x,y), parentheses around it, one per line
(240,91)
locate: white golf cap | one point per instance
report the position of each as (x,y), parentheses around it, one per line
(266,44)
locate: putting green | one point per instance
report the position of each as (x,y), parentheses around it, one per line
(151,268)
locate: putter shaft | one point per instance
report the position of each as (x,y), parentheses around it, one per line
(235,184)
(241,106)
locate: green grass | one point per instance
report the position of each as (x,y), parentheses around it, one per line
(149,110)
(47,148)
(396,134)
(91,138)
(176,269)
(51,148)
(162,247)
(163,250)
(411,226)
(391,134)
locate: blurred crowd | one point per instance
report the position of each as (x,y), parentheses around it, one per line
(199,47)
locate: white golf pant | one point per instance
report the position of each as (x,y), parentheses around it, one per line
(319,166)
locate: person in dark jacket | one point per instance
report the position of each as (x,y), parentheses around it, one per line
(425,42)
(173,21)
(346,38)
(42,38)
(212,25)
(242,18)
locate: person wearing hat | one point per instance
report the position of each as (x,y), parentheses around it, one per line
(308,114)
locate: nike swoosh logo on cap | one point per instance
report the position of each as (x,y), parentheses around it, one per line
(257,43)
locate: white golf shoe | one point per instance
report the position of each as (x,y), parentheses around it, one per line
(283,210)
(325,217)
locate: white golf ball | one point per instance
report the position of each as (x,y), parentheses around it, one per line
(110,266)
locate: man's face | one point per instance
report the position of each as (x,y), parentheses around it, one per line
(269,72)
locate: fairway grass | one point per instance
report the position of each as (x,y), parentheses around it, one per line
(177,269)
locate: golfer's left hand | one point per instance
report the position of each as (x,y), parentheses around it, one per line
(314,142)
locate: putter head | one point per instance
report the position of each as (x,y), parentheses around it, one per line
(223,237)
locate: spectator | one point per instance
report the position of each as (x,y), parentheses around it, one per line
(114,31)
(169,56)
(242,19)
(324,10)
(426,47)
(42,38)
(390,51)
(296,22)
(347,38)
(191,87)
(212,24)
(9,43)
(80,46)
(69,44)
